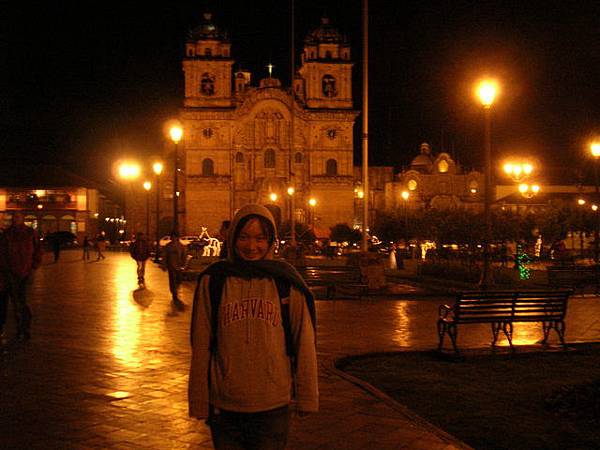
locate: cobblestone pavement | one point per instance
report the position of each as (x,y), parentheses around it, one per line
(107,365)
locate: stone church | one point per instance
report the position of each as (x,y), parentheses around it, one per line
(244,143)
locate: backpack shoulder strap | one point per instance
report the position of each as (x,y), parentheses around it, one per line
(283,290)
(215,288)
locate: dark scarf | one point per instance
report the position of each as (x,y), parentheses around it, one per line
(264,268)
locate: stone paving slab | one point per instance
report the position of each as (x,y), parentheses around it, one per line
(107,365)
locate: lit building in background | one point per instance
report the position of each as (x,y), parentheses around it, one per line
(54,199)
(243,143)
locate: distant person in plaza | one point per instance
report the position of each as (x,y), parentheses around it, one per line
(140,252)
(174,258)
(56,248)
(253,341)
(86,249)
(21,254)
(100,245)
(223,232)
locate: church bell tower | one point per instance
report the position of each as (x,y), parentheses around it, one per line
(326,68)
(207,66)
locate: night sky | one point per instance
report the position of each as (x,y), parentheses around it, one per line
(89,82)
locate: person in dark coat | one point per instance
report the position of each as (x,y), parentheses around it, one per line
(140,252)
(21,252)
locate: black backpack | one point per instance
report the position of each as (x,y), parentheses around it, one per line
(215,287)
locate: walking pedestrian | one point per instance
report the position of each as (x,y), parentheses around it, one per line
(253,341)
(21,252)
(140,252)
(100,245)
(173,260)
(86,249)
(56,247)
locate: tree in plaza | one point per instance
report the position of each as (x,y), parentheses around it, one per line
(343,233)
(303,232)
(390,227)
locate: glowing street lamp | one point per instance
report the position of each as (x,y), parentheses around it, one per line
(129,170)
(273,197)
(529,190)
(518,171)
(487,91)
(176,133)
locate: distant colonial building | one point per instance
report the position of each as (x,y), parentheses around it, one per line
(247,144)
(54,199)
(435,181)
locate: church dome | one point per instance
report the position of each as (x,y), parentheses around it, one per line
(207,30)
(325,33)
(422,160)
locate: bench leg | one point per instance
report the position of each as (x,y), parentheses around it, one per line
(330,291)
(559,326)
(507,328)
(495,330)
(452,332)
(441,329)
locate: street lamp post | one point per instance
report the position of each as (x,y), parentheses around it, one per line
(486,92)
(312,203)
(291,191)
(176,132)
(157,167)
(147,187)
(595,151)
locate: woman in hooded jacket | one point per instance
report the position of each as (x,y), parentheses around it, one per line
(255,355)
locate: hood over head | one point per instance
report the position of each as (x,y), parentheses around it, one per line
(251,209)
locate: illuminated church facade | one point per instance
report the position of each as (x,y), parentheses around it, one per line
(245,143)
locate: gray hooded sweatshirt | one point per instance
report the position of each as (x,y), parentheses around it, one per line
(250,370)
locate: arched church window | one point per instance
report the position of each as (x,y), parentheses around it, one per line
(412,185)
(298,158)
(239,157)
(207,84)
(443,166)
(328,86)
(208,167)
(331,168)
(269,158)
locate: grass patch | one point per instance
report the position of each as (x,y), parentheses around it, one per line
(529,400)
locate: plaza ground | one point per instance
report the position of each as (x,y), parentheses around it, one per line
(107,364)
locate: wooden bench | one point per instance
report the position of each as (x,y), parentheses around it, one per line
(501,309)
(574,277)
(343,279)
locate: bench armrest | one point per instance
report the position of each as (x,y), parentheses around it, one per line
(444,310)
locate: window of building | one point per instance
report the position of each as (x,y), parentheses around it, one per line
(207,52)
(443,166)
(412,185)
(298,158)
(239,157)
(328,54)
(331,168)
(207,84)
(328,86)
(269,159)
(208,167)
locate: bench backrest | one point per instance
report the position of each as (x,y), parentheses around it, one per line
(498,306)
(331,272)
